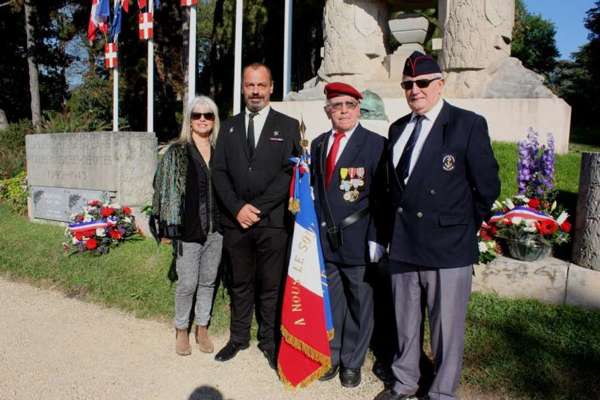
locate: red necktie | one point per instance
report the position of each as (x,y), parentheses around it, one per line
(332,156)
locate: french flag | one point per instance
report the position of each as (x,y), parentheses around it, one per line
(98,19)
(86,226)
(523,212)
(306,323)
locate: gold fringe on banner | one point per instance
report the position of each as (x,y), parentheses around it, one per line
(315,355)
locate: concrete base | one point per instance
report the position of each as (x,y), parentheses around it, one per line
(549,280)
(508,119)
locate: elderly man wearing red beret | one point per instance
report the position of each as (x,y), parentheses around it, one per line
(344,161)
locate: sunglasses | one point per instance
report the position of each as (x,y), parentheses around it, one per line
(209,116)
(421,83)
(350,105)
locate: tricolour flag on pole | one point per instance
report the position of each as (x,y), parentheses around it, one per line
(97,21)
(306,323)
(187,3)
(115,25)
(146,26)
(111,59)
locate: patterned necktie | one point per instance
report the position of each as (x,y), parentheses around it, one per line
(332,156)
(403,167)
(250,135)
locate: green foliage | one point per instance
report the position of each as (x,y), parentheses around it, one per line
(12,148)
(13,193)
(523,349)
(534,41)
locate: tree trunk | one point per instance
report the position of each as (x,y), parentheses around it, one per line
(34,87)
(586,246)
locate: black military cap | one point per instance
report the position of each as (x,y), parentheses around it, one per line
(420,64)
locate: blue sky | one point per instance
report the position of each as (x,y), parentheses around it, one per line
(567,16)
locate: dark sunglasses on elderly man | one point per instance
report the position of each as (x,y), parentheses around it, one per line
(209,116)
(421,83)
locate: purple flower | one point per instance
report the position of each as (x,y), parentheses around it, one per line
(535,167)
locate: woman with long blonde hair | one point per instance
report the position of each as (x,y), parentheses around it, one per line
(185,210)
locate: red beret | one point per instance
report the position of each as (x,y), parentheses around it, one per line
(335,89)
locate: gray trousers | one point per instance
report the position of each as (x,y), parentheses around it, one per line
(351,300)
(197,267)
(447,293)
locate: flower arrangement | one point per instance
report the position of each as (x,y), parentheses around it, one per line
(99,227)
(530,222)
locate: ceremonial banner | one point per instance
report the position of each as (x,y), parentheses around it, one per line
(146,26)
(306,323)
(110,56)
(96,22)
(189,2)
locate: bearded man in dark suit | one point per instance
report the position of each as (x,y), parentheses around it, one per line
(443,180)
(252,174)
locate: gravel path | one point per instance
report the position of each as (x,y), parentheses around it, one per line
(53,347)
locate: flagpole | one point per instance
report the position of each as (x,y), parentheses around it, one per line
(237,70)
(192,56)
(116,99)
(150,91)
(287,53)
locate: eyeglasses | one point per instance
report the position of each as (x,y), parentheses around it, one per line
(350,105)
(421,83)
(209,116)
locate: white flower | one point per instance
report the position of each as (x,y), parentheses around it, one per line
(516,220)
(127,220)
(482,247)
(553,206)
(101,232)
(529,228)
(522,198)
(87,217)
(75,241)
(509,204)
(562,218)
(497,206)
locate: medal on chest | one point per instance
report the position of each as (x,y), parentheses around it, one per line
(352,181)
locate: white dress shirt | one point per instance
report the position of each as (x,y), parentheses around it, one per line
(259,122)
(428,120)
(343,142)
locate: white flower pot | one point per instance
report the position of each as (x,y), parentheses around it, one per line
(409,28)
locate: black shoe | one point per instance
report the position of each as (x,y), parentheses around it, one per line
(350,377)
(229,351)
(271,358)
(383,372)
(389,394)
(330,374)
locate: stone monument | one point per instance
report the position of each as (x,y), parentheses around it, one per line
(475,55)
(586,245)
(65,170)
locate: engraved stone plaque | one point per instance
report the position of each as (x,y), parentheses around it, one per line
(57,204)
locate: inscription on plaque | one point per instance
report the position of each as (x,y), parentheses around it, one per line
(58,204)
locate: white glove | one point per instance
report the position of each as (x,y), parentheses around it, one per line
(376,251)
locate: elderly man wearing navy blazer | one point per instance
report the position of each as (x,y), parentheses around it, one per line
(443,179)
(344,161)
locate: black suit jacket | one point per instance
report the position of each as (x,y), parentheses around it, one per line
(262,180)
(363,150)
(450,191)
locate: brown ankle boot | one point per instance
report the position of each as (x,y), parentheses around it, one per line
(182,342)
(204,342)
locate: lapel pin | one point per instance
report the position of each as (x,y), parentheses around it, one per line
(448,162)
(231,130)
(275,133)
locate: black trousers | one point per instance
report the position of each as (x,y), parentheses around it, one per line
(256,260)
(351,299)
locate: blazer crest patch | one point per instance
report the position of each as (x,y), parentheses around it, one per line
(448,162)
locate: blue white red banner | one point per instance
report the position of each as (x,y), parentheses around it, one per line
(306,323)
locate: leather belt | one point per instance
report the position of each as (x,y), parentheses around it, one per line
(353,218)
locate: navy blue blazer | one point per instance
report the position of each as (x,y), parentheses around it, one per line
(451,189)
(262,180)
(363,150)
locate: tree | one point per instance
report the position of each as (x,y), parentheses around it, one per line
(34,86)
(534,40)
